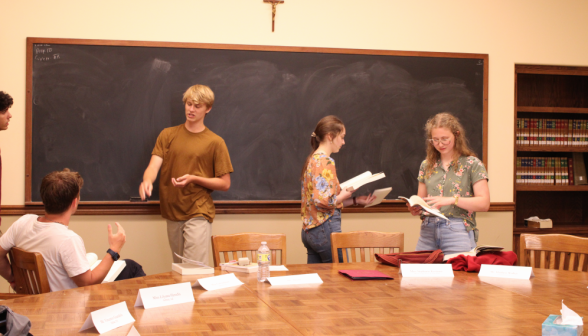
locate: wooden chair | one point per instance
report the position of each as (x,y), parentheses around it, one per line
(248,242)
(554,251)
(371,241)
(30,275)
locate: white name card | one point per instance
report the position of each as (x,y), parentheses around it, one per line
(219,282)
(426,270)
(133,332)
(109,318)
(276,268)
(509,272)
(300,279)
(164,295)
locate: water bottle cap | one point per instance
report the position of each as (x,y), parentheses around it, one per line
(263,243)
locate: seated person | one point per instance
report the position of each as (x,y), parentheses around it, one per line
(63,250)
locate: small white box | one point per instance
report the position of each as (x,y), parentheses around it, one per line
(189,269)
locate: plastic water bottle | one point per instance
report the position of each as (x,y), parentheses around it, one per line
(263,262)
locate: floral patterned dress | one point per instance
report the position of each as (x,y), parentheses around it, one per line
(320,188)
(454,182)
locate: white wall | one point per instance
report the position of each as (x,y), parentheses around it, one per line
(522,31)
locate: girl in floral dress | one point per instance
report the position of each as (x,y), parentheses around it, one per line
(322,197)
(453,180)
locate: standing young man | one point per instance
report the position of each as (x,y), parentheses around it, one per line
(5,104)
(194,162)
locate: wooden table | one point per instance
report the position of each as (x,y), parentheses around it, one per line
(464,305)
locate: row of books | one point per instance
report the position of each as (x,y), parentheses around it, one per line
(551,170)
(551,132)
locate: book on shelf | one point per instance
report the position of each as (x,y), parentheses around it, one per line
(415,200)
(476,251)
(114,271)
(579,169)
(547,170)
(538,223)
(360,180)
(551,132)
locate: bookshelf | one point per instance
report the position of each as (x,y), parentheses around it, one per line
(550,93)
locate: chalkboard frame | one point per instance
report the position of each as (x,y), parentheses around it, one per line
(227,207)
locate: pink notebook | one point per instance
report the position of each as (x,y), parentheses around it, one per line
(365,275)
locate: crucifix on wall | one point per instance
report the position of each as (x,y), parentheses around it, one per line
(274,5)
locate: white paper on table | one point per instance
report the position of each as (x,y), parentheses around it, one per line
(219,281)
(193,262)
(380,194)
(426,270)
(504,271)
(277,268)
(133,332)
(165,295)
(568,316)
(109,318)
(300,279)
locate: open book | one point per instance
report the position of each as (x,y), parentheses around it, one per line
(360,180)
(476,251)
(115,270)
(415,200)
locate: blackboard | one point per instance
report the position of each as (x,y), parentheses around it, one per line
(97,107)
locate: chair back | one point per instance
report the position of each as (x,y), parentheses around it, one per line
(247,244)
(554,251)
(371,242)
(30,275)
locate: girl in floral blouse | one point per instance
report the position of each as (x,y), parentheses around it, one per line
(453,180)
(322,197)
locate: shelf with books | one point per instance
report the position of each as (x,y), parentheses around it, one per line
(551,124)
(550,148)
(531,187)
(552,109)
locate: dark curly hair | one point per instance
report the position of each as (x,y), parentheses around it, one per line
(5,102)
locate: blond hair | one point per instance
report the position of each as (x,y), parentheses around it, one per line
(461,148)
(199,94)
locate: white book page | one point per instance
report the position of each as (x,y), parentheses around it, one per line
(416,200)
(350,182)
(115,270)
(380,194)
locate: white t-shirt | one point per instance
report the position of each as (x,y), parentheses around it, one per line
(63,250)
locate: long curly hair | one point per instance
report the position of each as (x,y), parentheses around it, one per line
(461,148)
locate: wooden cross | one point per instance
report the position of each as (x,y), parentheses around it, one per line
(274,5)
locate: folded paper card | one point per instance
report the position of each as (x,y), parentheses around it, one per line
(300,279)
(365,275)
(133,332)
(164,295)
(276,268)
(426,270)
(109,318)
(219,281)
(503,271)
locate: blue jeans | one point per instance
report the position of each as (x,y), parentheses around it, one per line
(318,240)
(449,236)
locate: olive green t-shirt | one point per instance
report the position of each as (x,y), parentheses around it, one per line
(202,154)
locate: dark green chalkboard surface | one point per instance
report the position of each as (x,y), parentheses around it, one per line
(97,107)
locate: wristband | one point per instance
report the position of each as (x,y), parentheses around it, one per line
(354,201)
(115,256)
(456,199)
